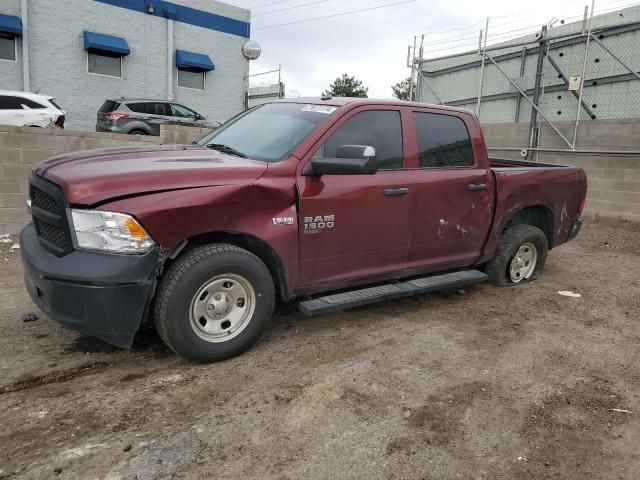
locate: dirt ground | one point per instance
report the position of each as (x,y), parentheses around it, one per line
(485,382)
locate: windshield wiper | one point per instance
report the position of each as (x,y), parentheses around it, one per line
(225,149)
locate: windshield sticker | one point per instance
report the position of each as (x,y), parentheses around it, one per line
(326,109)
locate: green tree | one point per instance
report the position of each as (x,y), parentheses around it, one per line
(346,86)
(401,89)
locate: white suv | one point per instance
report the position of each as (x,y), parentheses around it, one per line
(29,110)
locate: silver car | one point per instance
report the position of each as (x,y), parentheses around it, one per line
(139,116)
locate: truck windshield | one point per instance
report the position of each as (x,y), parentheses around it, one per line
(268,132)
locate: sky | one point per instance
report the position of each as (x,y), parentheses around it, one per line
(372,45)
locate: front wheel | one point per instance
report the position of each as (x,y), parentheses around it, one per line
(520,257)
(214,303)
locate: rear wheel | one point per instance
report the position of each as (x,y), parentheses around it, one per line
(138,131)
(520,257)
(214,303)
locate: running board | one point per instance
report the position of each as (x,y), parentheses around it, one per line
(390,291)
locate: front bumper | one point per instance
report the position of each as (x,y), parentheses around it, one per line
(99,294)
(575,229)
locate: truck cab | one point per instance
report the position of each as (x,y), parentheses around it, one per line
(335,202)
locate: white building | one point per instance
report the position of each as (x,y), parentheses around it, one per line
(85,51)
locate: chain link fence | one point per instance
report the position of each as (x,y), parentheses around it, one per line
(559,74)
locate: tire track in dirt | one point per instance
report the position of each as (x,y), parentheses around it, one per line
(27,382)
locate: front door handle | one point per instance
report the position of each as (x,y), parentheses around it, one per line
(476,187)
(395,192)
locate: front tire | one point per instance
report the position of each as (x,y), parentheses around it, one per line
(214,303)
(520,257)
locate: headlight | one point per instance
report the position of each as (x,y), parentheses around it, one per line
(110,231)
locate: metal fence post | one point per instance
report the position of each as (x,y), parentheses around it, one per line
(584,69)
(413,69)
(484,58)
(523,61)
(533,123)
(418,85)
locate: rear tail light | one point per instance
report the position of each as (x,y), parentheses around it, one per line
(581,207)
(115,116)
(60,121)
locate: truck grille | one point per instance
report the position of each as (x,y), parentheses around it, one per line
(50,233)
(49,215)
(44,201)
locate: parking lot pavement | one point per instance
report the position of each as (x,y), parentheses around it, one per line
(483,382)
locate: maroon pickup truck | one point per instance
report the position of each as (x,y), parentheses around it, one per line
(335,202)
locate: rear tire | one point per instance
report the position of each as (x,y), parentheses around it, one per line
(214,303)
(138,131)
(520,257)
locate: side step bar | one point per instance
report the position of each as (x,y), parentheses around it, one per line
(390,291)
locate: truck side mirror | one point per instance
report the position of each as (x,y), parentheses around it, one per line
(349,160)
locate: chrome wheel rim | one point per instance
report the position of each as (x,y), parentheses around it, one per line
(523,263)
(222,308)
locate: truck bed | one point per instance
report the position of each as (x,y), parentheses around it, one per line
(559,190)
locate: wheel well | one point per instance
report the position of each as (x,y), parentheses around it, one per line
(537,216)
(252,244)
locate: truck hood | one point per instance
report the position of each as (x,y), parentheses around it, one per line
(94,176)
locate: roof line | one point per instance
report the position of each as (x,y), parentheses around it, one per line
(191,16)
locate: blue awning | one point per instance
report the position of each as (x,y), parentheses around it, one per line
(194,61)
(105,43)
(10,24)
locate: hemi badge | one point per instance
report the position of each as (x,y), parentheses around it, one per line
(283,220)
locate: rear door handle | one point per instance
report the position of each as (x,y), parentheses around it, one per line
(476,187)
(395,192)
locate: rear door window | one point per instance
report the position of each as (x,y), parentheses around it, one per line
(138,107)
(443,141)
(380,129)
(107,106)
(158,108)
(11,103)
(30,104)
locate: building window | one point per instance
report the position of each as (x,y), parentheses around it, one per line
(104,64)
(7,47)
(191,79)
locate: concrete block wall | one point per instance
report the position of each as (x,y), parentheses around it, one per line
(180,134)
(22,147)
(614,179)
